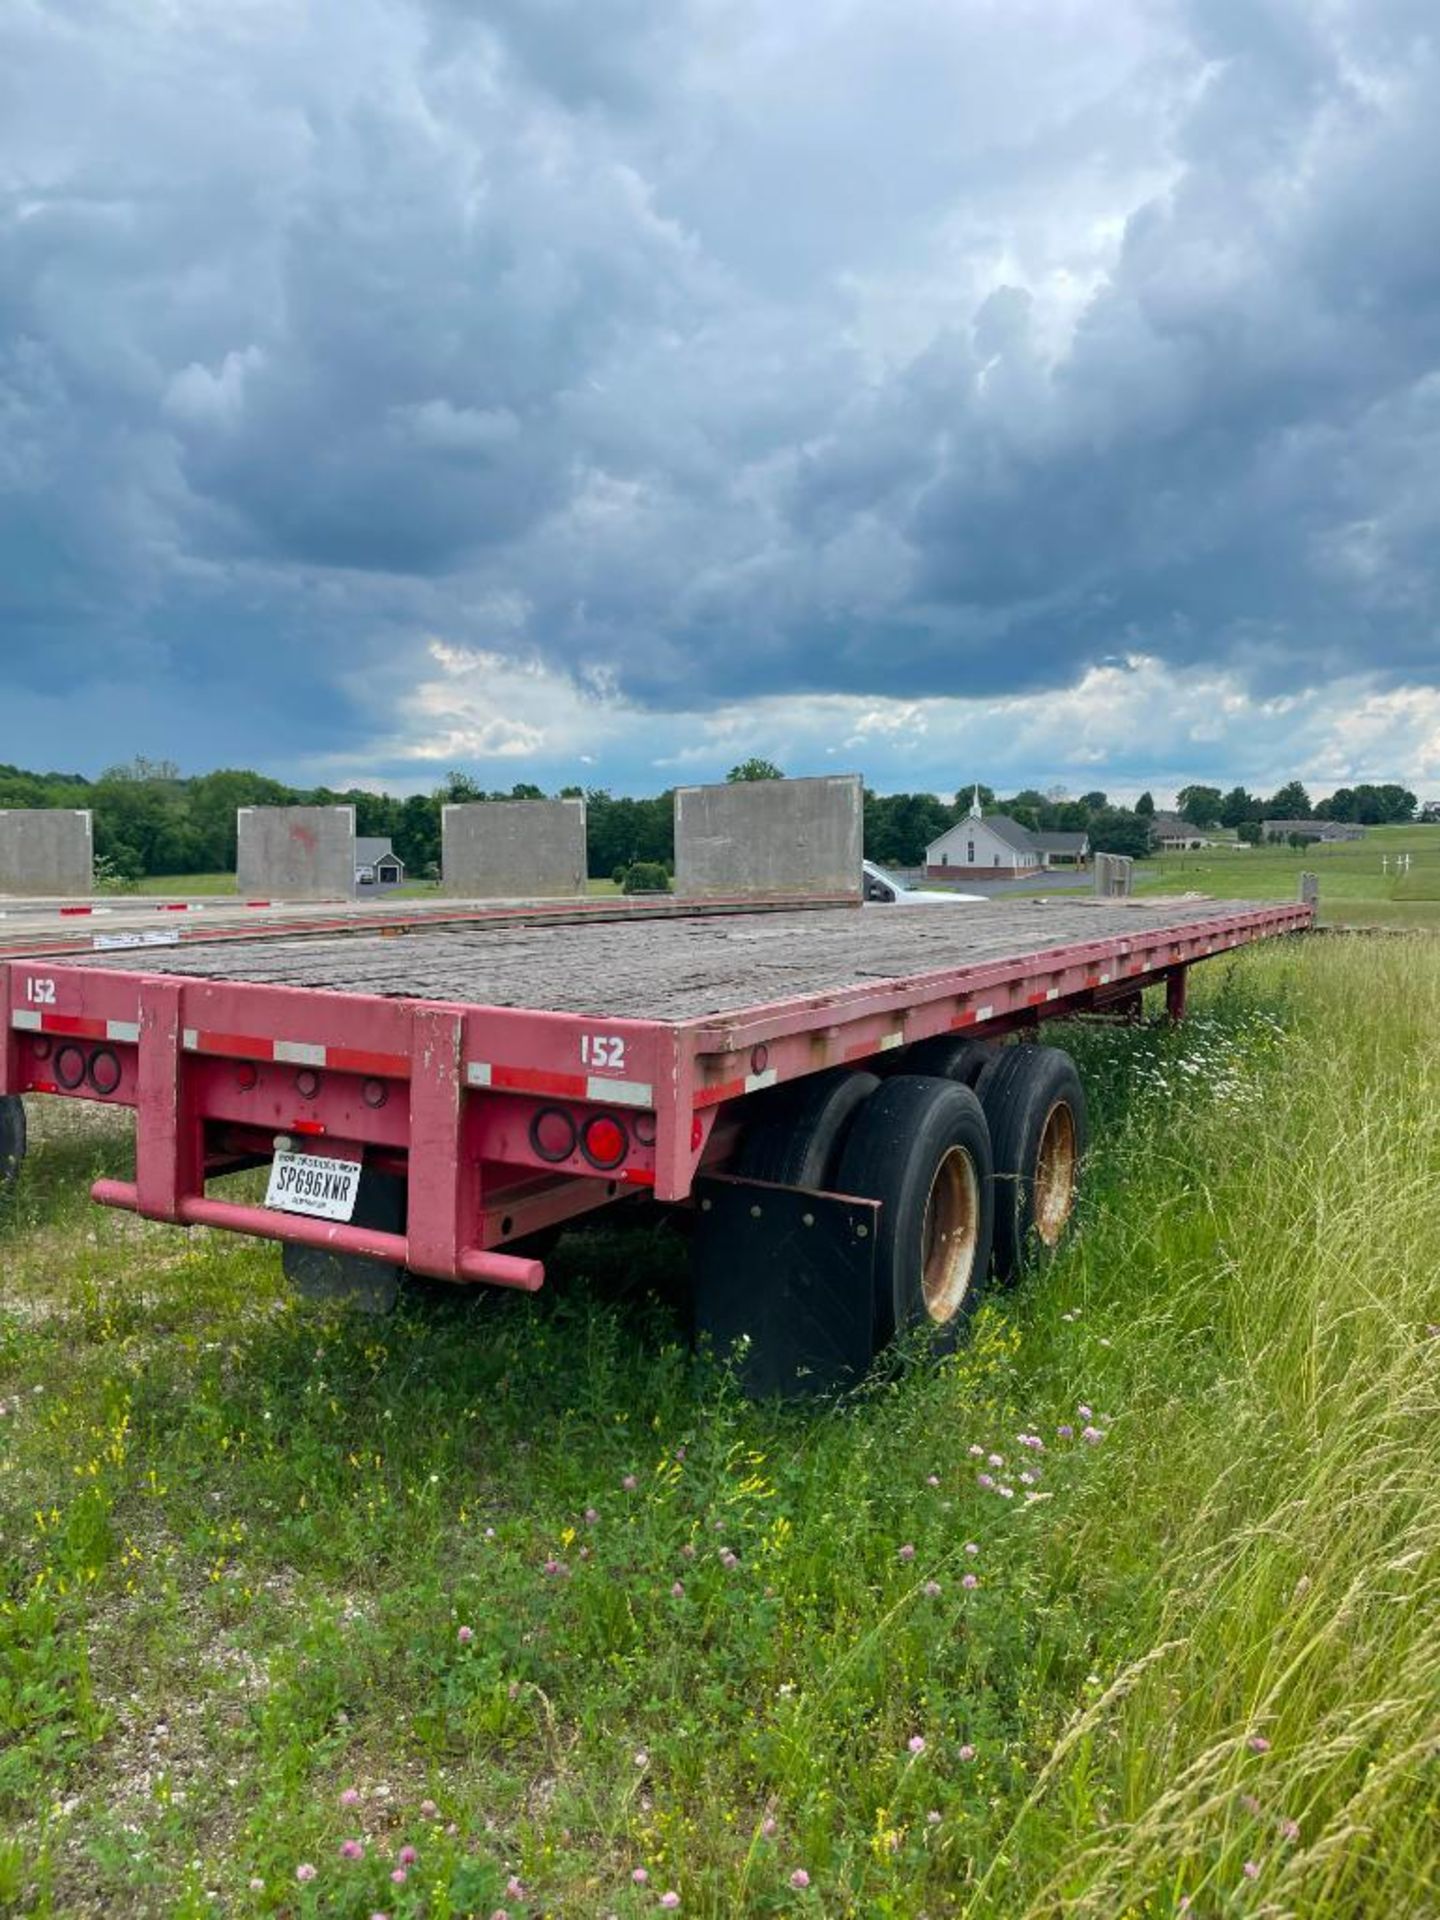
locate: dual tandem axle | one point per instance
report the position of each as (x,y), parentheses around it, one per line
(857,1150)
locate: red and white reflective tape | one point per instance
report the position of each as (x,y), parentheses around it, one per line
(71,1026)
(295,1053)
(563,1086)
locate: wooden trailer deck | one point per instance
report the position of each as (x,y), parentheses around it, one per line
(684,969)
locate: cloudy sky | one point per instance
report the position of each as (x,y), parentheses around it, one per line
(605,390)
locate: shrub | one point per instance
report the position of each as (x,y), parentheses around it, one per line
(645,876)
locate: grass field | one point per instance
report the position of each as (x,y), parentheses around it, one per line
(519,1585)
(1355,888)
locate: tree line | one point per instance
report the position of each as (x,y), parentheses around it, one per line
(151,820)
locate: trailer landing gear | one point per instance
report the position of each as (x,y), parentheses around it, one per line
(12,1139)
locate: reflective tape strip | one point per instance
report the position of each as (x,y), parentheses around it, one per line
(477,1073)
(1052,993)
(985,1013)
(620,1093)
(299,1053)
(190,1040)
(890,1041)
(128,1030)
(1104,979)
(757,1082)
(26,1020)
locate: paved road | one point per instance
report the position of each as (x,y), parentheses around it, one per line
(1058,881)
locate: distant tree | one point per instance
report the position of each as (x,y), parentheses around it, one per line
(900,826)
(1118,830)
(1238,805)
(142,769)
(964,796)
(1199,805)
(646,876)
(754,770)
(1249,832)
(1292,802)
(1144,806)
(526,790)
(457,789)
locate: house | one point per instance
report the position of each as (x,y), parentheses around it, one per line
(1173,834)
(1063,849)
(377,866)
(1326,830)
(983,847)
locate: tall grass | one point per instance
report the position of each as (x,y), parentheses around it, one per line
(1201,1663)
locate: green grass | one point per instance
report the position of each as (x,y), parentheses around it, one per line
(1355,889)
(239,1538)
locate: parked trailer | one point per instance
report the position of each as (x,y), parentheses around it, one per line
(820,1088)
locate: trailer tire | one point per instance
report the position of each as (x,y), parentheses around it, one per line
(12,1139)
(1039,1130)
(921,1147)
(948,1058)
(369,1286)
(798,1143)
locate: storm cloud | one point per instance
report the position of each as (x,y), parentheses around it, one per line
(696,352)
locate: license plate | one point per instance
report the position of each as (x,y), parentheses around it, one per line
(309,1183)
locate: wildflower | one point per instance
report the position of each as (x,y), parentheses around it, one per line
(1027,1479)
(670,1900)
(304,1873)
(385,1916)
(591,1516)
(642,1758)
(489,1533)
(1092,1436)
(351,1850)
(932,1479)
(907,1552)
(465,1636)
(1066,1432)
(971,1547)
(997,1459)
(257,1885)
(514,1888)
(931,1589)
(768,1825)
(984,1480)
(799,1879)
(977,1453)
(640,1876)
(1257,1743)
(400,1876)
(916,1743)
(677,1592)
(970,1581)
(629,1483)
(729,1560)
(932,1819)
(1251,1805)
(688,1550)
(1251,1869)
(1085,1413)
(1290,1829)
(967,1752)
(408,1856)
(1006,1493)
(350,1797)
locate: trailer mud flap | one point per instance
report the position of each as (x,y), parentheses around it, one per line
(369,1286)
(784,1283)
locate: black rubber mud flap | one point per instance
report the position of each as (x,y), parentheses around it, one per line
(784,1282)
(370,1286)
(12,1139)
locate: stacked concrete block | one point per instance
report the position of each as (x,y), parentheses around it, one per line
(513,849)
(296,853)
(770,836)
(1114,876)
(47,852)
(1309,894)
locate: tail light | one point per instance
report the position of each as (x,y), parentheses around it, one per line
(604,1141)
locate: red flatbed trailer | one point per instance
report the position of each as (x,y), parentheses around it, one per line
(515,1076)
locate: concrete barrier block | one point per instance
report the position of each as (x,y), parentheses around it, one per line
(296,853)
(770,836)
(47,851)
(1309,891)
(513,849)
(1114,876)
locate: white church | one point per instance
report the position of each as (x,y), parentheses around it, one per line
(989,846)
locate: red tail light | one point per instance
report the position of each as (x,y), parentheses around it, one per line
(604,1141)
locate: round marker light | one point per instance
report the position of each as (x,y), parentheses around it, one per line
(307,1083)
(552,1134)
(69,1067)
(644,1124)
(603,1141)
(104,1071)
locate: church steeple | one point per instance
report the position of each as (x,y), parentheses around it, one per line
(975,813)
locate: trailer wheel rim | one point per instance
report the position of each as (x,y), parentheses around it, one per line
(1057,1174)
(950,1235)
